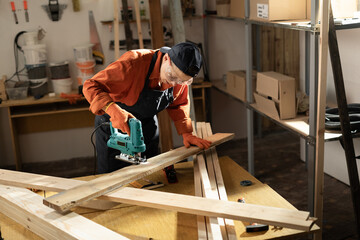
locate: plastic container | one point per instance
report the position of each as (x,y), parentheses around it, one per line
(59,70)
(39,87)
(83,53)
(17,90)
(35,54)
(62,85)
(31,38)
(36,71)
(85,71)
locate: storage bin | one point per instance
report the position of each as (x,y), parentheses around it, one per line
(17,90)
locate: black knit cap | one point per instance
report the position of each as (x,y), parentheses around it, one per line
(186,57)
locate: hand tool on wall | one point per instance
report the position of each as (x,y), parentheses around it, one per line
(26,11)
(131,146)
(76,5)
(95,39)
(54,9)
(13,9)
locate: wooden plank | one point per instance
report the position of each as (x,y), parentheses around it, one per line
(138,23)
(199,192)
(229,224)
(64,201)
(175,202)
(177,22)
(26,208)
(156,27)
(202,231)
(320,120)
(128,32)
(210,188)
(116,30)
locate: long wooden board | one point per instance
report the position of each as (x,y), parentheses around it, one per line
(26,208)
(66,200)
(217,225)
(212,156)
(170,201)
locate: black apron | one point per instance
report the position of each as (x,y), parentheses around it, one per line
(149,103)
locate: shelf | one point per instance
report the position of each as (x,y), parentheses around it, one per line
(147,20)
(32,101)
(298,125)
(301,25)
(219,85)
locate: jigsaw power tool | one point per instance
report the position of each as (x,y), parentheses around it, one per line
(131,146)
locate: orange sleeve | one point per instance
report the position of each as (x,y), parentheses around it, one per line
(122,81)
(179,110)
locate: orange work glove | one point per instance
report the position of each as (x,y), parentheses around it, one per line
(190,139)
(119,117)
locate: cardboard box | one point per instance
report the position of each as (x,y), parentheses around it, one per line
(344,8)
(223,10)
(276,95)
(236,84)
(275,10)
(237,8)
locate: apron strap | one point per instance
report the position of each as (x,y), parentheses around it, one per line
(151,68)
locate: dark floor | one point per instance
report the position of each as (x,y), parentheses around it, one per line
(277,163)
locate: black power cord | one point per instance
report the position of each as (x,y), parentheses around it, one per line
(92,142)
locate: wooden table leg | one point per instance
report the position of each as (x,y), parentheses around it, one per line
(14,141)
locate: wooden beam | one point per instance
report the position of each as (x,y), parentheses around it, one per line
(217,225)
(128,32)
(214,161)
(320,120)
(138,23)
(26,208)
(116,30)
(66,200)
(156,26)
(201,220)
(174,202)
(177,21)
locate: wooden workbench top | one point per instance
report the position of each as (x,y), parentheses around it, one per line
(143,223)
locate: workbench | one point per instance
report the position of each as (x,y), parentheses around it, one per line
(143,223)
(45,114)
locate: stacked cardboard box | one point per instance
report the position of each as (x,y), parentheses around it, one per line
(275,95)
(276,10)
(236,83)
(223,8)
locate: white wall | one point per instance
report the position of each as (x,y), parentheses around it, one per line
(226,53)
(72,30)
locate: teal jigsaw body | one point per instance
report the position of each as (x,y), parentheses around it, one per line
(130,145)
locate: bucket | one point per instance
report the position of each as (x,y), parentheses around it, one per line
(31,38)
(62,85)
(83,53)
(59,70)
(38,87)
(85,71)
(35,54)
(36,71)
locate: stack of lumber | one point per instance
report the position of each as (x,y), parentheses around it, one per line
(55,220)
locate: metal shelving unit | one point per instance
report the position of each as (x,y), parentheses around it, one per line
(304,127)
